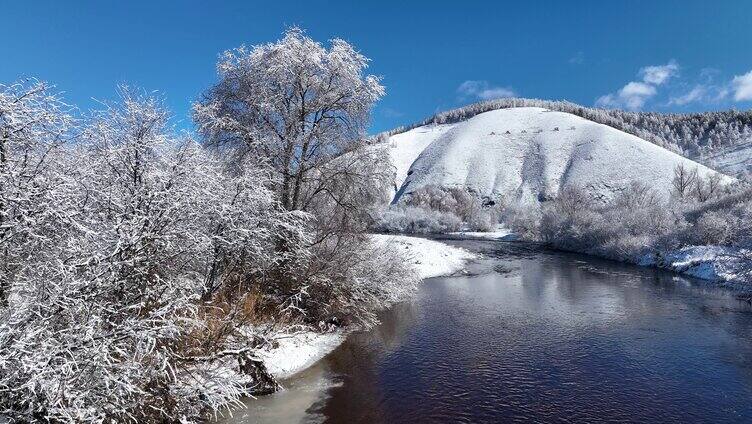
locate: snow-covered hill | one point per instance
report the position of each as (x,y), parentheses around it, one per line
(732,160)
(530,153)
(705,137)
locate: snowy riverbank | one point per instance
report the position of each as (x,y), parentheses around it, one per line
(729,267)
(293,353)
(430,258)
(501,232)
(723,265)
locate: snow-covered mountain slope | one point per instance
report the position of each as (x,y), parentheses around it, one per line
(733,160)
(530,153)
(404,148)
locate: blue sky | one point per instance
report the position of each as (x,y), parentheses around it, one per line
(649,55)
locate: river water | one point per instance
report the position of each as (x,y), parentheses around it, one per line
(535,336)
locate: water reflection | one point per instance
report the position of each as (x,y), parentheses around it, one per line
(533,336)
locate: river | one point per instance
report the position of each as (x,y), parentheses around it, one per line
(536,336)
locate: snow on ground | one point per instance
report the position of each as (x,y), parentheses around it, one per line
(404,148)
(431,258)
(297,351)
(499,233)
(720,264)
(531,153)
(732,160)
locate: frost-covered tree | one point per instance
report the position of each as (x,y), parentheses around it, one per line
(684,181)
(302,108)
(107,323)
(707,188)
(34,125)
(294,103)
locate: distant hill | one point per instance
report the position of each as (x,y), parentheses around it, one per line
(527,153)
(722,140)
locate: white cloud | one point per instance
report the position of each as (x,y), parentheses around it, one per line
(635,94)
(632,96)
(696,94)
(709,74)
(658,74)
(606,101)
(483,90)
(707,88)
(496,92)
(742,87)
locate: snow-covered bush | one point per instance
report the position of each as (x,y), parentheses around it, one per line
(570,221)
(350,282)
(434,209)
(415,220)
(715,228)
(104,322)
(726,220)
(620,229)
(524,218)
(34,127)
(637,221)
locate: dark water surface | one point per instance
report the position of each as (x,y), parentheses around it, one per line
(536,336)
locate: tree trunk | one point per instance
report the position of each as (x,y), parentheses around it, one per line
(286,177)
(299,176)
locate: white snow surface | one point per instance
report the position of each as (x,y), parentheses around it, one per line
(721,264)
(499,233)
(530,153)
(732,160)
(297,351)
(429,257)
(404,148)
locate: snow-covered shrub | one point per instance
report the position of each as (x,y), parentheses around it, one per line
(101,324)
(725,220)
(415,220)
(714,228)
(87,334)
(570,221)
(349,284)
(458,202)
(621,229)
(480,220)
(637,222)
(34,128)
(524,218)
